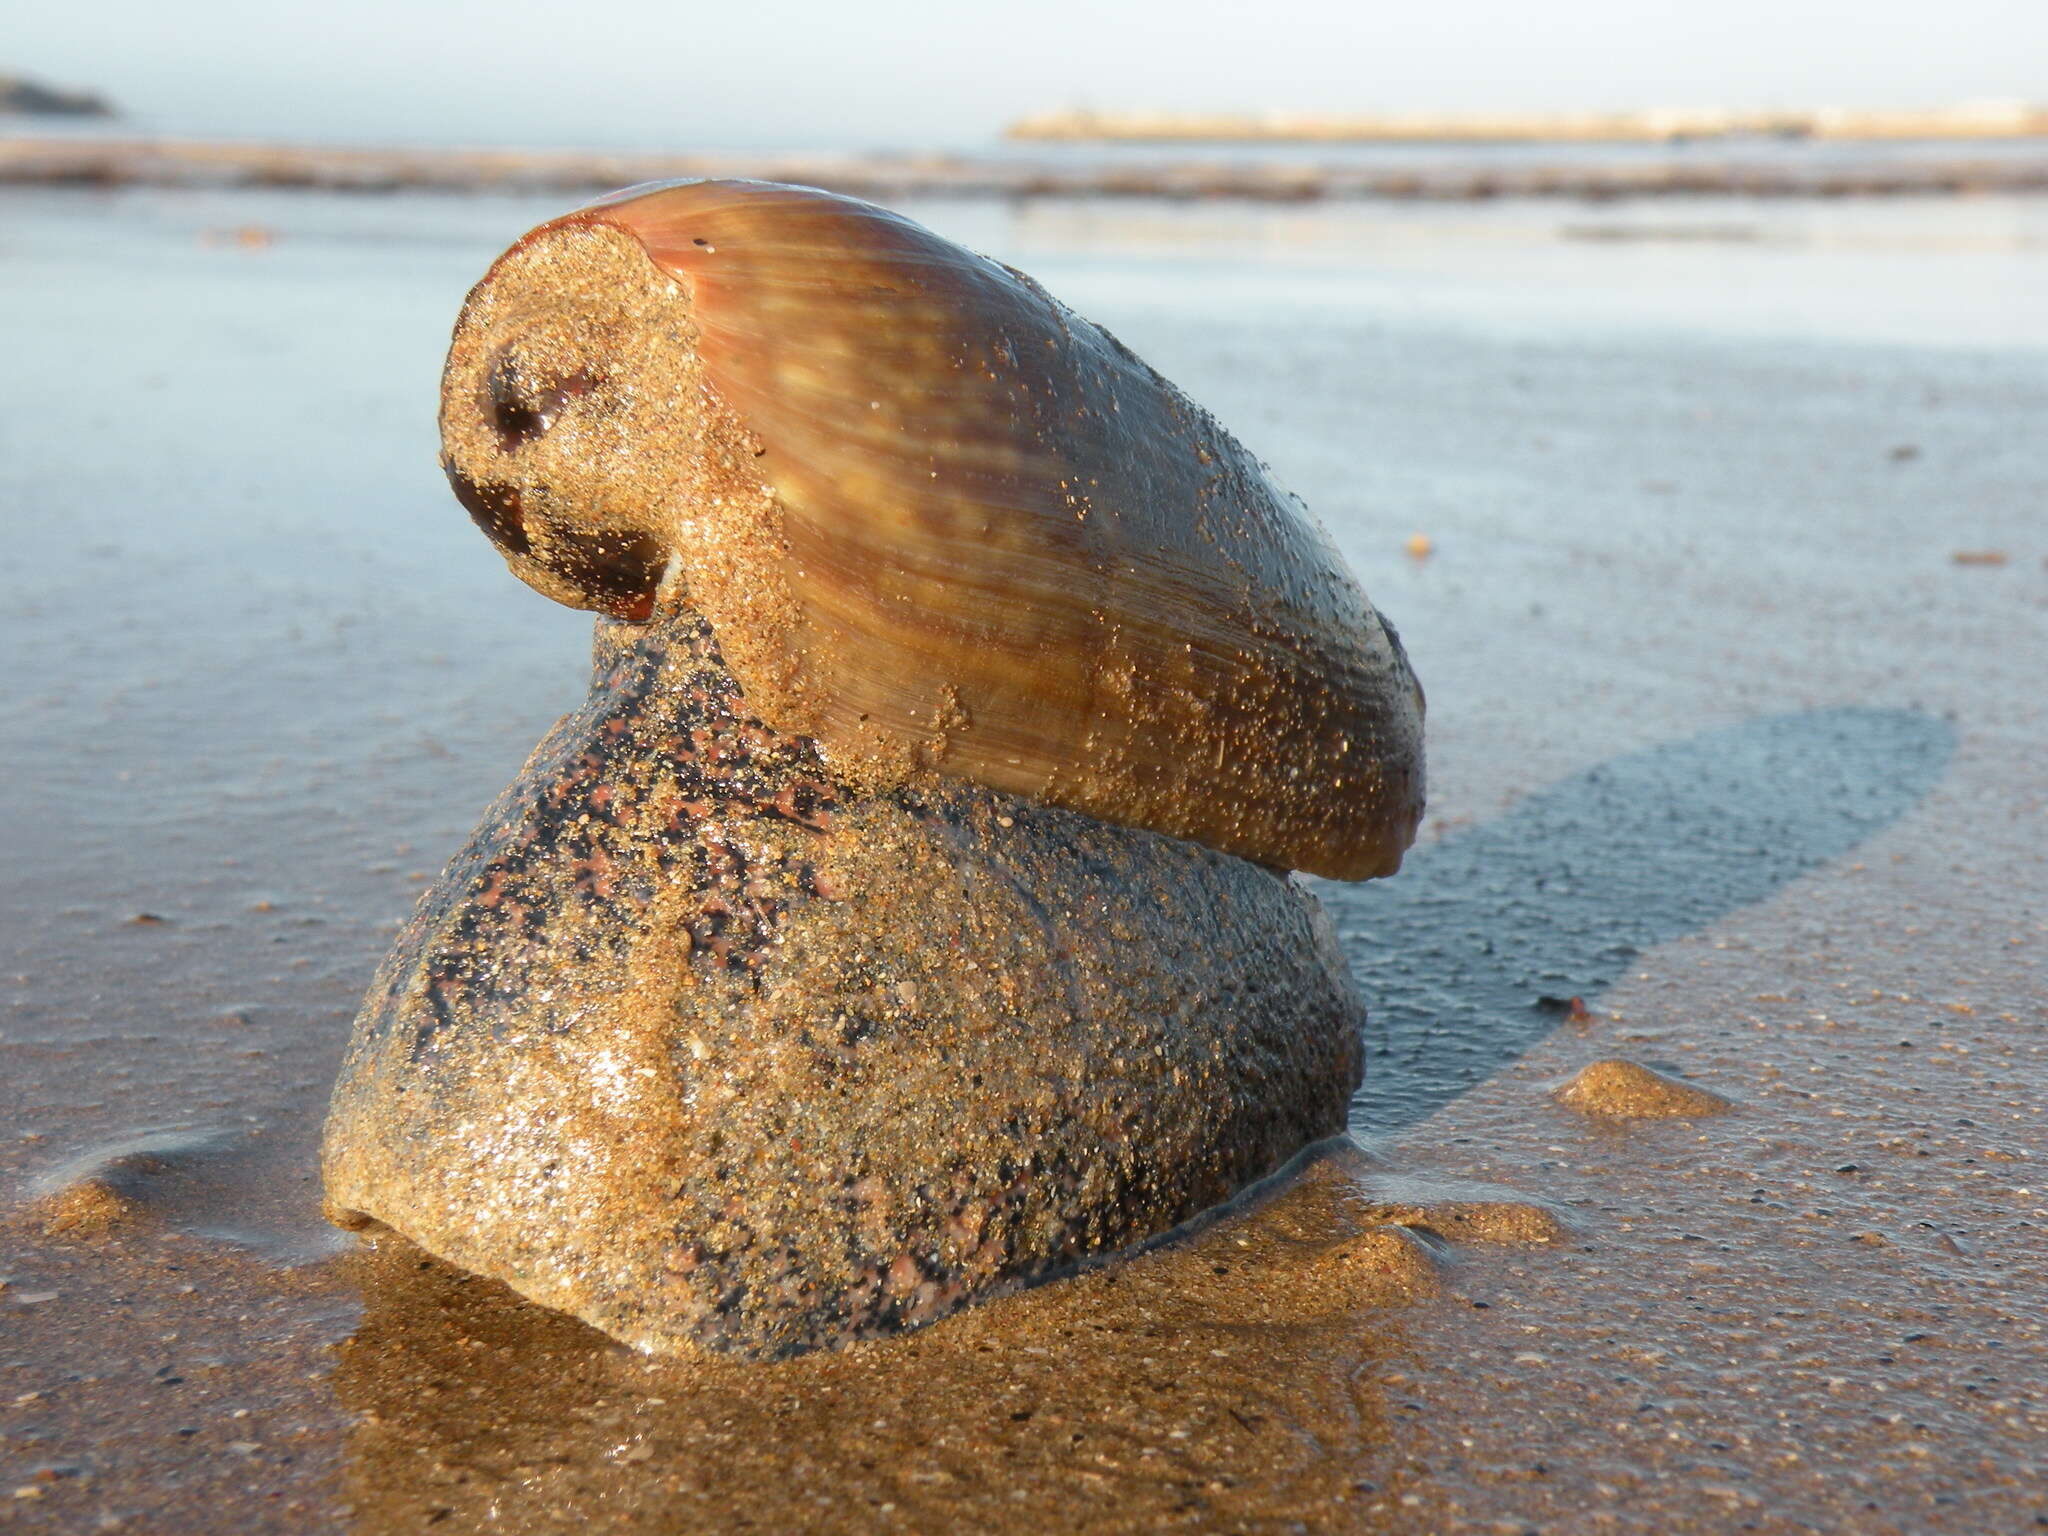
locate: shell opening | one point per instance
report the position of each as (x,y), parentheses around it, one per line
(523,406)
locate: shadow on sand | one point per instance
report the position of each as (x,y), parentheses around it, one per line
(1472,955)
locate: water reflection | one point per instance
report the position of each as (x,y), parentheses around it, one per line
(1226,1383)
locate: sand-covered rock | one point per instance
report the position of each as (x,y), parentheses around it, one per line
(695,1045)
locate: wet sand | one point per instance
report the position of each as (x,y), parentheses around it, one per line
(1726,744)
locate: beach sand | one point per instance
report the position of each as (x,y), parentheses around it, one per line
(1731,621)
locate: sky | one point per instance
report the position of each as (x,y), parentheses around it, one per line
(907,73)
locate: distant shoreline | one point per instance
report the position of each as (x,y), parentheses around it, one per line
(201,164)
(1975,121)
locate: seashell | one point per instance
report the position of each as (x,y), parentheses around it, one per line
(698,1045)
(935,519)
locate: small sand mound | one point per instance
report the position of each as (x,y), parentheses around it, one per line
(86,1208)
(1627,1090)
(110,1184)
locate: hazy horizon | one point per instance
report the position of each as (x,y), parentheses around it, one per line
(633,73)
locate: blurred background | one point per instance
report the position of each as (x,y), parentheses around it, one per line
(904,74)
(1473,152)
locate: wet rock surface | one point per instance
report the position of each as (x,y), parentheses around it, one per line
(696,1046)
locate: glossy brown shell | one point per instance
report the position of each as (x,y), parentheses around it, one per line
(938,521)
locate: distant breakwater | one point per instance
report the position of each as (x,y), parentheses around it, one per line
(107,162)
(1972,120)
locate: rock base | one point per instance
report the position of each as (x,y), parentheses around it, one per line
(693,1044)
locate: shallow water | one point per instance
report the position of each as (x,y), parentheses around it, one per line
(1724,743)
